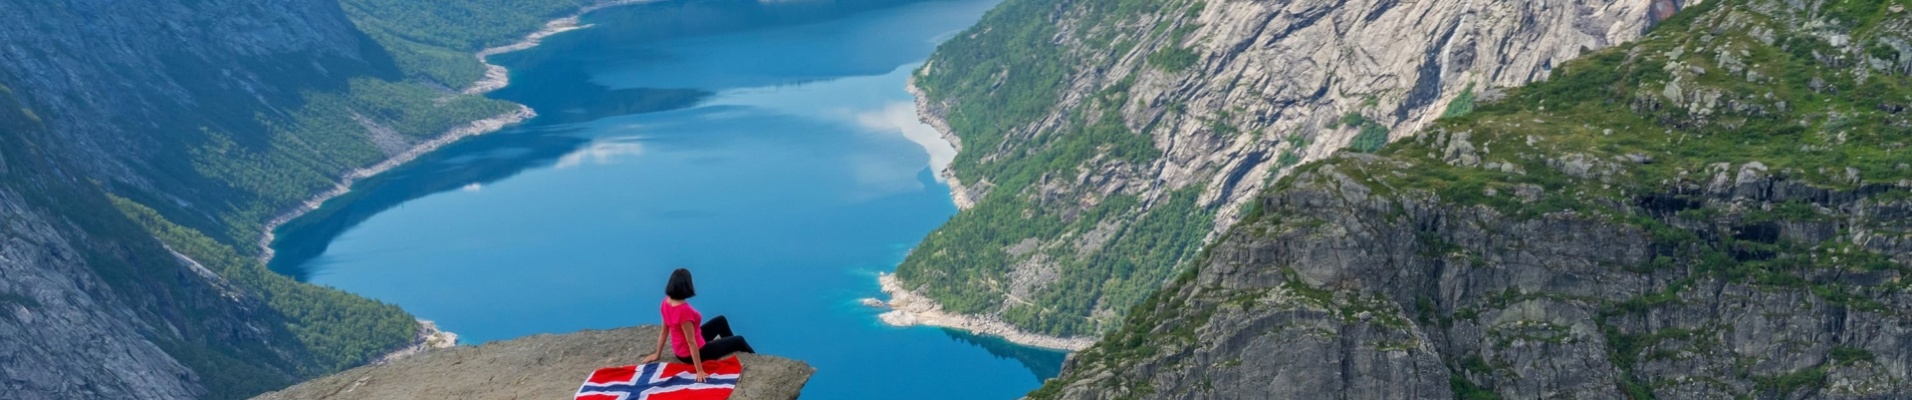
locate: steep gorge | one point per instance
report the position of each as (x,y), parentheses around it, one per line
(1103,141)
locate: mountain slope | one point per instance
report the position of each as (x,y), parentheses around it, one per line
(143,145)
(1722,210)
(113,98)
(1104,140)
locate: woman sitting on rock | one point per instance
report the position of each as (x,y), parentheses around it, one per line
(681,323)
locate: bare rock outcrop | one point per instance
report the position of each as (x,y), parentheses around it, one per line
(1231,93)
(1580,239)
(536,367)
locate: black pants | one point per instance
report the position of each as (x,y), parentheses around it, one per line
(719,342)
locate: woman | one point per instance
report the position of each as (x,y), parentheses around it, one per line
(681,326)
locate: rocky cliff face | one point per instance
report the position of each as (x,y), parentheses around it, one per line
(67,334)
(536,367)
(132,100)
(1104,140)
(1718,211)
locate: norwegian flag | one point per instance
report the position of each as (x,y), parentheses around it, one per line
(663,381)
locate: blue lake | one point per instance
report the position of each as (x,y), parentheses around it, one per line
(767,146)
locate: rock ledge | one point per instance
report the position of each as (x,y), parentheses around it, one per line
(536,367)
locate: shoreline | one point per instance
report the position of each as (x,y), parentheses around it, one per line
(469,129)
(958,193)
(496,77)
(908,308)
(429,338)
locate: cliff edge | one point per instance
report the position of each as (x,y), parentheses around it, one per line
(1719,210)
(535,367)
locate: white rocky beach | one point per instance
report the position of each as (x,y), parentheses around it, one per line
(908,308)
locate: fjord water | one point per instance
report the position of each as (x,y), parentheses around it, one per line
(768,146)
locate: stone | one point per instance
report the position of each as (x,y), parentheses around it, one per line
(536,367)
(1407,292)
(1550,346)
(1288,67)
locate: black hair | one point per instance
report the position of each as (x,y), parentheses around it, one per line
(679,287)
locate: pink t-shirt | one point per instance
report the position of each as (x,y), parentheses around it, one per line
(674,318)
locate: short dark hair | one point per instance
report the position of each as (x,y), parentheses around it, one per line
(679,287)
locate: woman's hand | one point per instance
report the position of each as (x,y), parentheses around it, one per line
(701,375)
(649,359)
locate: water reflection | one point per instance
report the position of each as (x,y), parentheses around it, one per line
(636,59)
(466,165)
(602,152)
(1044,363)
(776,177)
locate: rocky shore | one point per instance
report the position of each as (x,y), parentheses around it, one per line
(497,77)
(535,367)
(429,338)
(958,193)
(910,308)
(907,308)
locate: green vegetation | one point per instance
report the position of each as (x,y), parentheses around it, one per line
(1372,137)
(1174,59)
(230,162)
(251,167)
(1220,125)
(1001,77)
(305,153)
(1467,390)
(435,40)
(1126,269)
(1123,272)
(1628,136)
(231,361)
(1847,354)
(208,172)
(1006,72)
(1287,159)
(1785,385)
(1806,114)
(1138,338)
(340,329)
(1462,105)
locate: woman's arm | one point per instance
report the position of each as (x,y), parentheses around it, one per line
(696,354)
(663,334)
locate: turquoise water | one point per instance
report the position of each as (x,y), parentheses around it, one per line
(767,146)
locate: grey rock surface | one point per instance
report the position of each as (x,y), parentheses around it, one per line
(1350,282)
(66,334)
(92,96)
(1355,295)
(1270,82)
(536,367)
